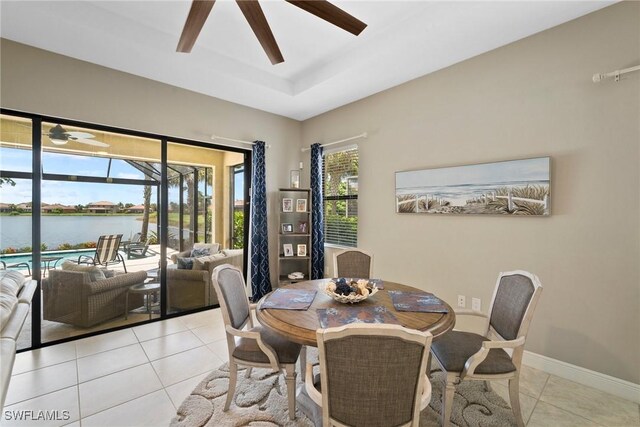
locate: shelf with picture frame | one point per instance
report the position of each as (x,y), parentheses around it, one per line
(294,234)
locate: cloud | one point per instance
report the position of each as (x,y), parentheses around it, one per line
(127,175)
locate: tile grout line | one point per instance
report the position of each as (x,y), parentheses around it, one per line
(78,383)
(123,403)
(41,395)
(569,410)
(538,399)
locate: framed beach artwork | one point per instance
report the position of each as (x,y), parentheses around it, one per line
(515,187)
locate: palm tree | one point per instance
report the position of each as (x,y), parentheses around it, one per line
(174,181)
(147,208)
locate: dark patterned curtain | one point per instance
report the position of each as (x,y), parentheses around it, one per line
(260,281)
(317,213)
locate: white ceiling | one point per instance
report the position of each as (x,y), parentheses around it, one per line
(325,67)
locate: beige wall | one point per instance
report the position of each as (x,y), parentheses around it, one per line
(532,98)
(37,81)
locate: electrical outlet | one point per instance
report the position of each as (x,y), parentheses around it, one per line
(462,301)
(475,304)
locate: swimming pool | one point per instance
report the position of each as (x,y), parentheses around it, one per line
(12,259)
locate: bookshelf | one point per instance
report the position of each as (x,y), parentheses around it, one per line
(294,234)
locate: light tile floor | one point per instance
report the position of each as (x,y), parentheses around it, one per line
(139,376)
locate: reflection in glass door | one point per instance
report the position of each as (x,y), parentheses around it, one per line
(16,252)
(198,212)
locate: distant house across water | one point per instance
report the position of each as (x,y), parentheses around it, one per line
(102,207)
(137,209)
(25,207)
(57,208)
(5,207)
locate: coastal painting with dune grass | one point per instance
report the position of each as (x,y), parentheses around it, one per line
(515,187)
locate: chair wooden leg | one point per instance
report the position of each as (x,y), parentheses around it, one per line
(303,362)
(290,379)
(247,374)
(447,401)
(514,397)
(233,377)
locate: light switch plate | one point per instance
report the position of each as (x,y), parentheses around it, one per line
(475,304)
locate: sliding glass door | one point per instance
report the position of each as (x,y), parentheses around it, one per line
(198,180)
(117,216)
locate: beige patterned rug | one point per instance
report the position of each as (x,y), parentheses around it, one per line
(261,401)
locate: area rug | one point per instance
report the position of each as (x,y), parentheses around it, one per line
(261,400)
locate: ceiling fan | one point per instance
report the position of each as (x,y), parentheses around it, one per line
(59,136)
(255,17)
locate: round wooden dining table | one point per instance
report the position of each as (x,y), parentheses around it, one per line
(300,325)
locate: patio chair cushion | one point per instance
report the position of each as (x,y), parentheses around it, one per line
(185,263)
(204,249)
(202,263)
(95,273)
(455,347)
(247,349)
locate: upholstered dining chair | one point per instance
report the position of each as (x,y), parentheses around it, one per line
(257,347)
(371,375)
(353,263)
(469,356)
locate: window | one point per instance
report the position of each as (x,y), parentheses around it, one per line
(237,206)
(340,178)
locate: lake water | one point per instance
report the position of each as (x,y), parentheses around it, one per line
(15,231)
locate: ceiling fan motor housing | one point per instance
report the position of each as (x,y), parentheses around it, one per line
(58,135)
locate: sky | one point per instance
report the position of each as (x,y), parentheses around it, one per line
(516,170)
(72,193)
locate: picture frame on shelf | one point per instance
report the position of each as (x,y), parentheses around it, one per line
(288,249)
(301,205)
(303,227)
(287,205)
(294,178)
(287,228)
(302,250)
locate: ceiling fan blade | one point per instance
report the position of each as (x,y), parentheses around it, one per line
(79,135)
(198,15)
(89,142)
(255,17)
(330,13)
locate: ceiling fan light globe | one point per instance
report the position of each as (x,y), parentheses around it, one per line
(58,141)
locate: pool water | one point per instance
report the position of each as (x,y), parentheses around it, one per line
(12,259)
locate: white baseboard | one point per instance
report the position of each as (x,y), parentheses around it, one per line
(612,385)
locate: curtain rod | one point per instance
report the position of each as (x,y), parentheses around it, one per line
(362,135)
(214,137)
(616,74)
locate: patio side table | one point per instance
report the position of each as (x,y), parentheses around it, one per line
(148,289)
